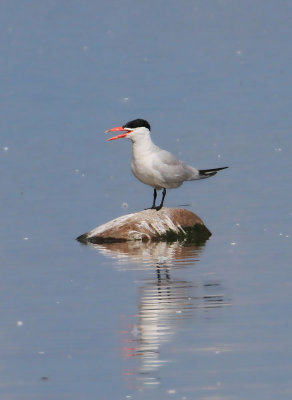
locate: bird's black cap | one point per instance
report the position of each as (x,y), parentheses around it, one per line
(138,123)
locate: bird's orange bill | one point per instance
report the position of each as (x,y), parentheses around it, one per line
(119,129)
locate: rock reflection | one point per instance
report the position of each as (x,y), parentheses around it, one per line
(142,255)
(165,302)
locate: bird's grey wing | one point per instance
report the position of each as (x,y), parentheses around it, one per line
(167,158)
(172,169)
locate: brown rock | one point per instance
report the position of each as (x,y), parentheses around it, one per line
(168,224)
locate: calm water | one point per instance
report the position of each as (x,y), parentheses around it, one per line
(137,321)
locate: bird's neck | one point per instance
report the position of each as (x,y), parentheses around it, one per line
(143,145)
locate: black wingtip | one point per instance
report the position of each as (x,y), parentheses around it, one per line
(210,172)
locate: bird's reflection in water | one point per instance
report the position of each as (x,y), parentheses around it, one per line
(164,303)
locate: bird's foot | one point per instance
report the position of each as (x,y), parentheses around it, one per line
(157,208)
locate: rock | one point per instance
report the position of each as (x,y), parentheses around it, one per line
(168,224)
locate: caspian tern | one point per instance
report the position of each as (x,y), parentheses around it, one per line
(152,165)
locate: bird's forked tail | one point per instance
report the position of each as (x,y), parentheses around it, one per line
(206,173)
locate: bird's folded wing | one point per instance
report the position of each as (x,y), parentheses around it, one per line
(171,169)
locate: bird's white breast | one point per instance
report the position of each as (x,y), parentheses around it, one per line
(142,168)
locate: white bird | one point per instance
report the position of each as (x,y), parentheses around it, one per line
(154,166)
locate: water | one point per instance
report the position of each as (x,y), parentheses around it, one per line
(130,320)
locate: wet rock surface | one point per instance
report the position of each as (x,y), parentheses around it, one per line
(168,224)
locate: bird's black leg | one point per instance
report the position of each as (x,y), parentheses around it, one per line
(161,204)
(154,198)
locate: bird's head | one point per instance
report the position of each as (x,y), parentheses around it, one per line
(134,130)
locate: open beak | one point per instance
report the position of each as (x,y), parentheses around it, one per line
(119,129)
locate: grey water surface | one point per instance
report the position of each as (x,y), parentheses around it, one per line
(136,321)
